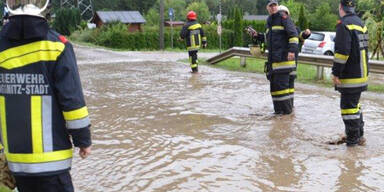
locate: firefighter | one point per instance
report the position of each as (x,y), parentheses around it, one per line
(303,35)
(194,37)
(282,43)
(42,108)
(350,70)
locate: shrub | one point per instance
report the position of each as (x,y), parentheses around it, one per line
(116,36)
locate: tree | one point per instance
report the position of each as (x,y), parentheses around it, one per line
(152,17)
(374,20)
(323,19)
(201,9)
(294,8)
(67,21)
(118,5)
(238,26)
(302,23)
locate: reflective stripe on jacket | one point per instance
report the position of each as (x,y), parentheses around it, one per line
(41,105)
(351,54)
(194,35)
(282,38)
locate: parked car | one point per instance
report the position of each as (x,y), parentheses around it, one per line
(320,43)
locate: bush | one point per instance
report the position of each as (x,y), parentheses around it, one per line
(116,36)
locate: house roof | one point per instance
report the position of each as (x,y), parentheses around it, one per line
(122,16)
(255,17)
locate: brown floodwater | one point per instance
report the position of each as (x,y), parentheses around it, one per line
(157,127)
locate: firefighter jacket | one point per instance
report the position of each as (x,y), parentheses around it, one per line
(282,37)
(351,54)
(41,100)
(194,35)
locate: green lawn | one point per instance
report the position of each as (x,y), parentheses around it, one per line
(4,189)
(305,73)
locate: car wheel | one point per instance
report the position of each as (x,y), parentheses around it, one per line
(328,53)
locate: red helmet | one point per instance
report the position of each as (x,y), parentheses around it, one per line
(191,15)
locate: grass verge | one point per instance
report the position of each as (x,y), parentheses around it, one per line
(305,73)
(5,189)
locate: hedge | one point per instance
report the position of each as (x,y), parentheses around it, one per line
(115,35)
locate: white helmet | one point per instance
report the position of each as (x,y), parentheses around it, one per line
(27,7)
(284,8)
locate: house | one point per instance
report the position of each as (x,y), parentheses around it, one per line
(255,17)
(133,19)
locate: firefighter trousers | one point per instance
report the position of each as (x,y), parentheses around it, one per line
(55,183)
(352,117)
(292,77)
(193,60)
(281,93)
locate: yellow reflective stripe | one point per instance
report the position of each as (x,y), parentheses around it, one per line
(282,92)
(36,124)
(193,65)
(354,80)
(282,64)
(365,72)
(277,27)
(358,28)
(193,41)
(195,26)
(301,36)
(3,123)
(351,111)
(76,114)
(196,47)
(291,90)
(341,56)
(39,157)
(294,40)
(204,38)
(31,53)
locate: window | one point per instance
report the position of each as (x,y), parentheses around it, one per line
(317,37)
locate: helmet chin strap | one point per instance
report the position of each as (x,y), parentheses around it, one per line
(21,11)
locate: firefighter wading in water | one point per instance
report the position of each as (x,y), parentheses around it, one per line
(282,44)
(42,107)
(350,70)
(194,37)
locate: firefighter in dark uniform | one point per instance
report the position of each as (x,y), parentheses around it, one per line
(282,44)
(42,108)
(194,37)
(303,35)
(350,70)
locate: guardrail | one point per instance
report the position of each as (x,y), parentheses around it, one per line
(318,60)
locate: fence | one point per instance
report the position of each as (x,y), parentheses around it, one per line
(320,61)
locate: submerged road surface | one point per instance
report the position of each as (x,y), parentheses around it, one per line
(156,127)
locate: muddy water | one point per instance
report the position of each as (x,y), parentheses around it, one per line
(157,127)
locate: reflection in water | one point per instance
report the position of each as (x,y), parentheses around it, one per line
(158,128)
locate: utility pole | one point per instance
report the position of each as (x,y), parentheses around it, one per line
(161,24)
(219,18)
(85,7)
(171,13)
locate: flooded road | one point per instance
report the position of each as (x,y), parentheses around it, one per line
(156,127)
